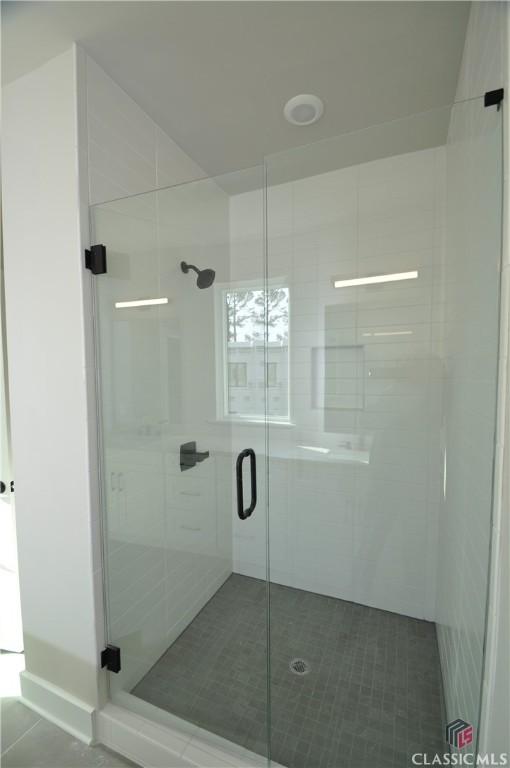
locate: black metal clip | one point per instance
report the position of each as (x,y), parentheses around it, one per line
(95,259)
(494,98)
(110,658)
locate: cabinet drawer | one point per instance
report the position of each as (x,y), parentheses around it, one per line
(193,531)
(190,492)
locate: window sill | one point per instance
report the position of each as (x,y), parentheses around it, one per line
(255,422)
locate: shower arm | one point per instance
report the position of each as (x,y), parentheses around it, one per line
(190,266)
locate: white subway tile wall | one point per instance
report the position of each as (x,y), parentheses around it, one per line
(356,519)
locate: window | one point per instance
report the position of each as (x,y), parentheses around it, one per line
(244,353)
(272,374)
(237,375)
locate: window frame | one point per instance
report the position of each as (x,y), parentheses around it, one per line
(221,353)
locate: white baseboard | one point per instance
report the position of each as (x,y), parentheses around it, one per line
(58,706)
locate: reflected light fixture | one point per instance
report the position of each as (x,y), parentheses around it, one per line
(389,333)
(140,303)
(371,280)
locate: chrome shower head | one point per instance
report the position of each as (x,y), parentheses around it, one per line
(205,276)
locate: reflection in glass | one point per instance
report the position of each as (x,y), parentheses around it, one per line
(254,360)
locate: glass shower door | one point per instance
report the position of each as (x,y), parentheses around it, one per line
(180,335)
(386,244)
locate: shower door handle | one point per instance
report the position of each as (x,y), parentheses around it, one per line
(244,513)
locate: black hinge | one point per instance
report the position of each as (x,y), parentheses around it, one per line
(110,658)
(494,98)
(95,259)
(3,486)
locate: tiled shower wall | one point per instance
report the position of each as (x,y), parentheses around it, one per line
(359,523)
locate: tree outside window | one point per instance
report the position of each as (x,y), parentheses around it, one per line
(245,313)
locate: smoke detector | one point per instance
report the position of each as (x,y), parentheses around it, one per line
(304,109)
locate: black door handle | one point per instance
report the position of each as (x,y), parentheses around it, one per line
(244,513)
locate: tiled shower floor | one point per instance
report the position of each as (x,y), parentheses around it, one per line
(371,698)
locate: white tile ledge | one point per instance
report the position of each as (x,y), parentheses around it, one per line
(176,744)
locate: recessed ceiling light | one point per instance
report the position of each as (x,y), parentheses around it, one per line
(304,109)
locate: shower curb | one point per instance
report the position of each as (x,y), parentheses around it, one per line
(176,745)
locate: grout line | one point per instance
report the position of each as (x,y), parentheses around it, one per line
(23,734)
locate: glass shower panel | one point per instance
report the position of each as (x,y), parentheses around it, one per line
(181,369)
(133,409)
(471,288)
(367,236)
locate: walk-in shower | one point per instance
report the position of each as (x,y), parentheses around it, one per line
(342,621)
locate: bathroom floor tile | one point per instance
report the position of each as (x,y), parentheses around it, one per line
(15,720)
(43,745)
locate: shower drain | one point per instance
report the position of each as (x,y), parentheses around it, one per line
(299,667)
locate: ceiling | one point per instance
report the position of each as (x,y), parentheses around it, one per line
(215,75)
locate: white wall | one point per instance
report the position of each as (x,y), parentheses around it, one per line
(471,361)
(361,522)
(49,366)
